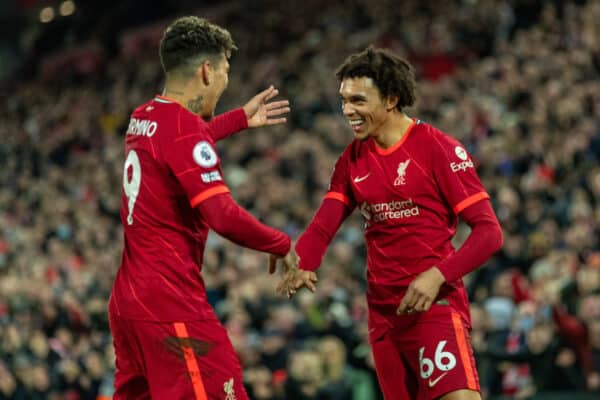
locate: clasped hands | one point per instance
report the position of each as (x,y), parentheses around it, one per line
(294,278)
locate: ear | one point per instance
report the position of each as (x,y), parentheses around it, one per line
(205,70)
(391,102)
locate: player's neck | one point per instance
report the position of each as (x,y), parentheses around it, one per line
(183,95)
(392,130)
(179,96)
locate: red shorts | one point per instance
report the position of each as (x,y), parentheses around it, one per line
(425,356)
(181,360)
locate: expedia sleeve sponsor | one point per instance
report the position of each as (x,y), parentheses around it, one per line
(142,127)
(454,172)
(461,166)
(465,163)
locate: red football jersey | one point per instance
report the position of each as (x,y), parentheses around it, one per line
(170,166)
(410,196)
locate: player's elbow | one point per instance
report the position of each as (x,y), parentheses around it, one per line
(496,237)
(219,214)
(220,223)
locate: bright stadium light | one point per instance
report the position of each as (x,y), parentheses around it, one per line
(46,14)
(67,8)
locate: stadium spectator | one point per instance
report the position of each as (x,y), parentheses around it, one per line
(524,98)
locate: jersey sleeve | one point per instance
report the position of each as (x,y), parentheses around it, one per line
(313,243)
(483,241)
(192,158)
(455,173)
(231,221)
(339,186)
(228,123)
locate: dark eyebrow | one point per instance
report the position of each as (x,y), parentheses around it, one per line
(354,98)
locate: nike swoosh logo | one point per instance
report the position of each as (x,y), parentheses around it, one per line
(361,178)
(434,382)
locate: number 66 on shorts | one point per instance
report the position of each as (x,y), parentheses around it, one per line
(444,360)
(427,359)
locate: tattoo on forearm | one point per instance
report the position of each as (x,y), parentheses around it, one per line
(195,104)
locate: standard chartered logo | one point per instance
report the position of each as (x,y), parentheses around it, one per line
(379,212)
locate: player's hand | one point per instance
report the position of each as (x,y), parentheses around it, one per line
(260,111)
(294,280)
(289,261)
(422,292)
(294,277)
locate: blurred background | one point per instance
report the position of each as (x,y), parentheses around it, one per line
(516,81)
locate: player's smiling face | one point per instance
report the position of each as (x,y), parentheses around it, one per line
(363,106)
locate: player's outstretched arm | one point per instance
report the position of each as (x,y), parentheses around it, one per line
(228,219)
(312,245)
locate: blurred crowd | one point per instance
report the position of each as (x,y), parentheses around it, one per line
(516,81)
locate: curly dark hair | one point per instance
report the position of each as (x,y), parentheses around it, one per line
(190,39)
(392,75)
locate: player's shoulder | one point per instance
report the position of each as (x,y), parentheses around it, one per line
(174,119)
(143,122)
(432,133)
(190,123)
(157,109)
(425,129)
(142,108)
(439,133)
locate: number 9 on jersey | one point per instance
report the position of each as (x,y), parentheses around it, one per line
(131,185)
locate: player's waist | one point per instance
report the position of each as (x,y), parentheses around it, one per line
(162,256)
(155,302)
(405,257)
(384,302)
(397,271)
(164,241)
(384,294)
(408,247)
(167,312)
